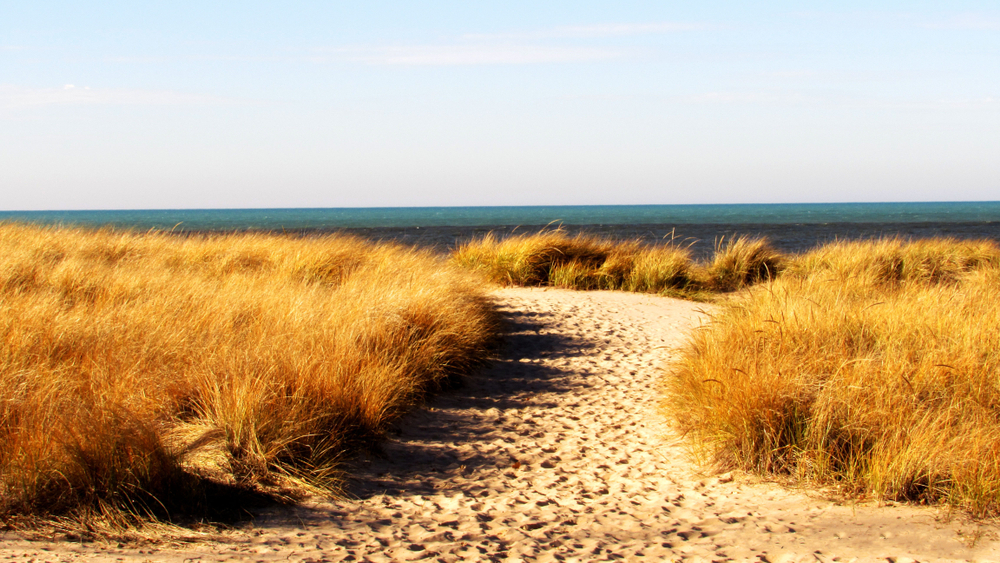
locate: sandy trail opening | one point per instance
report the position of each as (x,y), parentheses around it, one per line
(557,452)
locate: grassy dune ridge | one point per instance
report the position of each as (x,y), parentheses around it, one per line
(148,374)
(552,258)
(136,368)
(870,366)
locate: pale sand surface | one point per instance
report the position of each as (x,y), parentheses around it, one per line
(557,452)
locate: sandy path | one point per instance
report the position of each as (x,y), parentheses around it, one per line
(557,453)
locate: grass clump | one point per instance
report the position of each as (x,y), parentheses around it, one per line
(742,262)
(533,260)
(552,258)
(897,261)
(141,372)
(871,366)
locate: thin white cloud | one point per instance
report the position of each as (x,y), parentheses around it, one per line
(840,76)
(794,98)
(17,97)
(617,30)
(728,98)
(595,31)
(453,55)
(139,60)
(968,21)
(519,48)
(984,103)
(792,74)
(708,98)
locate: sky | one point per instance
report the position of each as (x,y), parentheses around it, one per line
(180,104)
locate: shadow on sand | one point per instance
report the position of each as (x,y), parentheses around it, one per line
(446,442)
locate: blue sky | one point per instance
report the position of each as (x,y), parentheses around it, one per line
(110,105)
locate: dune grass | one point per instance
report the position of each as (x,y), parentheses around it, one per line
(552,258)
(532,260)
(141,372)
(873,367)
(741,262)
(152,376)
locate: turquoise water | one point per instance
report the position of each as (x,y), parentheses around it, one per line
(296,219)
(790,227)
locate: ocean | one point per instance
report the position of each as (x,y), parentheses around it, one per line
(792,227)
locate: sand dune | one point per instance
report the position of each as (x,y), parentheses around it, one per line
(557,453)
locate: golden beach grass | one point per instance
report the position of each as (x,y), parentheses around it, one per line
(134,368)
(531,260)
(870,366)
(741,262)
(141,372)
(553,258)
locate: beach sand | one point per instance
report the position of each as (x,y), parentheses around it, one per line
(557,452)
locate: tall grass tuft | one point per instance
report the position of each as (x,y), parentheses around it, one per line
(741,262)
(869,366)
(531,260)
(136,368)
(895,260)
(551,258)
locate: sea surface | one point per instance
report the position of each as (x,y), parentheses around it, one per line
(792,227)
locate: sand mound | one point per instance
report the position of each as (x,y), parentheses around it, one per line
(557,453)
